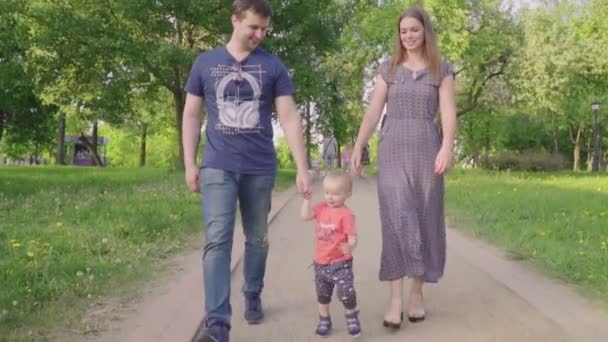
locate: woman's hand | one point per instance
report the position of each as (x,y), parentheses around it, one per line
(355,160)
(443,160)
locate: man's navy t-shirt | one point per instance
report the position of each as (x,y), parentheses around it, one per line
(240,98)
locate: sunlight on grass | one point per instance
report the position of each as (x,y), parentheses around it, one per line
(70,235)
(558,221)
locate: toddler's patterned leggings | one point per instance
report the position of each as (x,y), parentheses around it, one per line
(340,275)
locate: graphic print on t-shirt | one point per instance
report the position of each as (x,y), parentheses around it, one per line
(238,92)
(326,232)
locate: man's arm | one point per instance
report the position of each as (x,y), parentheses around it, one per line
(191,128)
(289,119)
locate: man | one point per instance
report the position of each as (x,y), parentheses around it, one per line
(239,83)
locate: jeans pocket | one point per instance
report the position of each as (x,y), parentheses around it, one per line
(211,176)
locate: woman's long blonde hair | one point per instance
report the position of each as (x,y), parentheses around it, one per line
(431,51)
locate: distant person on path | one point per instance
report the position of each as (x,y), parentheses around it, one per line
(239,83)
(346,155)
(413,155)
(336,238)
(330,151)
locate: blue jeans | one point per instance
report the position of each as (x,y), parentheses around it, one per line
(221,190)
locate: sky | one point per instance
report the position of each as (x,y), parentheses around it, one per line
(518,4)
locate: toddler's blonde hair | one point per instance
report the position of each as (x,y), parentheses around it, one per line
(345,180)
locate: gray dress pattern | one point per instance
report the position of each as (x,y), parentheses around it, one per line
(410,194)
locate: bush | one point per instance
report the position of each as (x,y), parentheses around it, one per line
(284,157)
(527,161)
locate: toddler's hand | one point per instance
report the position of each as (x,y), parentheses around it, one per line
(346,249)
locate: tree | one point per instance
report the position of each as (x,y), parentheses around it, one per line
(96,56)
(23,117)
(560,68)
(487,46)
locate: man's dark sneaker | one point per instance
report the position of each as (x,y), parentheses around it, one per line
(215,333)
(253,309)
(324,326)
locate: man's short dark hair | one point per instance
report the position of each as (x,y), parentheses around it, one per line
(259,7)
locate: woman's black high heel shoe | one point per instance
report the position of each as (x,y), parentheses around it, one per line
(414,319)
(392,325)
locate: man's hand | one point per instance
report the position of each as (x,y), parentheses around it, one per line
(192,172)
(303,183)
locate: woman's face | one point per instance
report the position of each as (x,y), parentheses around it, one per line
(411,33)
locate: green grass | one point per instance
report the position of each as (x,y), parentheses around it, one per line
(285,178)
(70,235)
(556,221)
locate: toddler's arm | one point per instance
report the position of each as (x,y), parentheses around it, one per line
(352,242)
(349,247)
(306,210)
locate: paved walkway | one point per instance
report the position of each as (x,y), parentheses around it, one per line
(483,296)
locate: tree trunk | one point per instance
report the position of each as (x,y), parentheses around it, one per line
(308,132)
(486,152)
(555,141)
(339,156)
(601,161)
(589,156)
(142,145)
(577,157)
(95,157)
(554,133)
(577,151)
(60,155)
(2,123)
(179,103)
(37,154)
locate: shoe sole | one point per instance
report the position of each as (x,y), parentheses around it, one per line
(415,319)
(207,338)
(391,325)
(255,322)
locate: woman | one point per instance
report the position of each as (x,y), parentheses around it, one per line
(414,153)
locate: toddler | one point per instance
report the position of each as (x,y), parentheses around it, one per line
(336,238)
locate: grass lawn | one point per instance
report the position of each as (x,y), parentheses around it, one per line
(285,178)
(556,221)
(70,235)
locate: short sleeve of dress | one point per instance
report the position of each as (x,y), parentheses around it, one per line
(446,70)
(383,70)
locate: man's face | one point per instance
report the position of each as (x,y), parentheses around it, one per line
(250,30)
